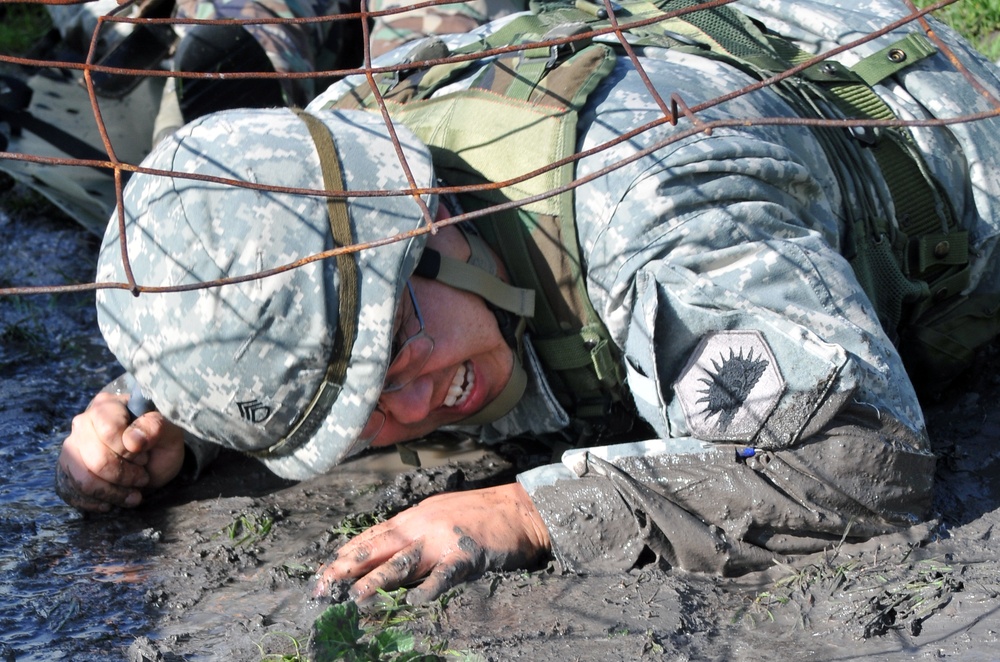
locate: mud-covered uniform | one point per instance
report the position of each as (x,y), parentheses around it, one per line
(784,418)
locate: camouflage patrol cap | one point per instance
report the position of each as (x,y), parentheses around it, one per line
(245,365)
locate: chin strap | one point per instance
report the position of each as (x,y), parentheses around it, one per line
(478,276)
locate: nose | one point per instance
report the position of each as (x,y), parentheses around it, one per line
(410,404)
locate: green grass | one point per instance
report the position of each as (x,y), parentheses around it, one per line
(248,528)
(977,20)
(20,26)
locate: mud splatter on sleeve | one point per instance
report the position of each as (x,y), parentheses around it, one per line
(721,510)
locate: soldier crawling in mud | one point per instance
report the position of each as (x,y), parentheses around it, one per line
(717,321)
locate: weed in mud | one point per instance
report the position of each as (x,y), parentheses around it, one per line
(248,528)
(296,570)
(392,609)
(23,202)
(828,576)
(354,524)
(24,334)
(652,645)
(338,635)
(761,605)
(295,656)
(877,603)
(342,633)
(909,604)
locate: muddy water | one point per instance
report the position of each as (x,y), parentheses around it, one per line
(70,588)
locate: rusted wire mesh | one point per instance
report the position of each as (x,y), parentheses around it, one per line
(673,107)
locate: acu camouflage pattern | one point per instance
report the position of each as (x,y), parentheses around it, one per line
(742,230)
(238,365)
(717,235)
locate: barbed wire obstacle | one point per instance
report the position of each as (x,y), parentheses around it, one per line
(79,137)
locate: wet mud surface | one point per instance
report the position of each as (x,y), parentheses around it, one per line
(223,569)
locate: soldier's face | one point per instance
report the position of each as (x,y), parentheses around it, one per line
(469,367)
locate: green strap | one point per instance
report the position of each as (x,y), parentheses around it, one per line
(921,208)
(463,276)
(348,312)
(894,58)
(340,229)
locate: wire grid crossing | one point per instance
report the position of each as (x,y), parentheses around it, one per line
(673,109)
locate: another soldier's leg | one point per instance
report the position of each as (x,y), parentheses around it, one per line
(223,48)
(76,24)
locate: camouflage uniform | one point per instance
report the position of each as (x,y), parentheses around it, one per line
(392,30)
(336,44)
(715,262)
(783,418)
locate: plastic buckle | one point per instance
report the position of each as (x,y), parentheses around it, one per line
(559,51)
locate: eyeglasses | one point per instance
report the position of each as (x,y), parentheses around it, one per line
(407,360)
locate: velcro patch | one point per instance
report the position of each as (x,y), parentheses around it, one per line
(730,386)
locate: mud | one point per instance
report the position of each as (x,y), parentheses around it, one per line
(223,569)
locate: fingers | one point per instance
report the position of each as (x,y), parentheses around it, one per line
(108,420)
(85,491)
(359,556)
(367,560)
(145,434)
(447,539)
(96,469)
(371,548)
(443,577)
(400,570)
(95,447)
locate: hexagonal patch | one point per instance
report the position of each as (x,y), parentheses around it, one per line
(730,386)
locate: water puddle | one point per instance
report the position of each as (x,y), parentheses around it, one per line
(70,587)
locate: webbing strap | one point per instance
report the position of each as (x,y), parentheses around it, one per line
(348,303)
(585,350)
(894,58)
(479,279)
(465,277)
(919,207)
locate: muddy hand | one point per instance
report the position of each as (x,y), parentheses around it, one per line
(107,461)
(443,541)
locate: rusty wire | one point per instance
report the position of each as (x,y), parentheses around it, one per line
(675,112)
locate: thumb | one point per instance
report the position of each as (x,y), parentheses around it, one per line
(137,440)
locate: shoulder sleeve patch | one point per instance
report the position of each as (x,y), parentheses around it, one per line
(730,386)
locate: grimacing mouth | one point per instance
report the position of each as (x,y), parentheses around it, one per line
(461,386)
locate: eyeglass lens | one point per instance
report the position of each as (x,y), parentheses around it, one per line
(407,361)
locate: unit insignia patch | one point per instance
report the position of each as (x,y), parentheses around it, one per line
(730,386)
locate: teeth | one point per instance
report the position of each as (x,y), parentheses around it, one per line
(461,386)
